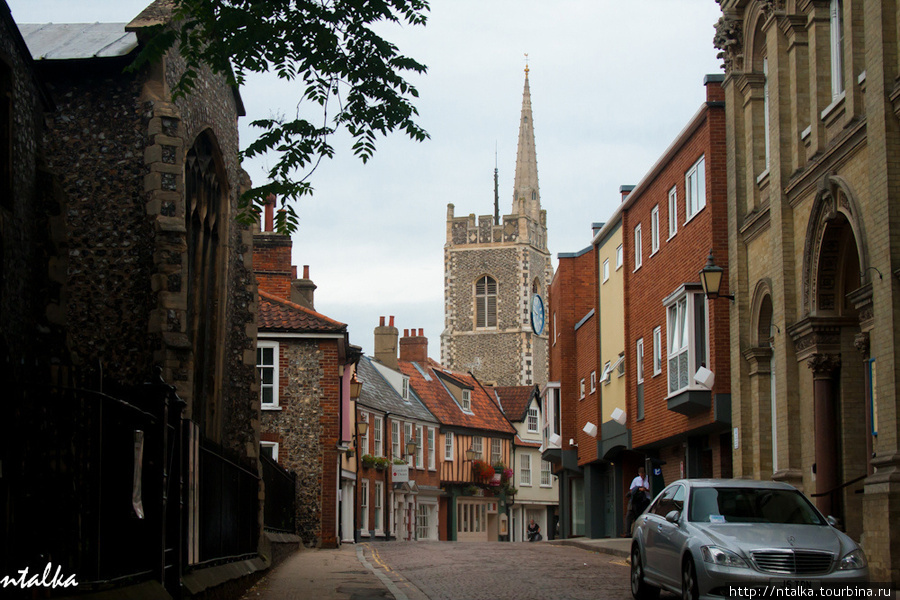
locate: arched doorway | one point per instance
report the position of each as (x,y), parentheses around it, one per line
(836,302)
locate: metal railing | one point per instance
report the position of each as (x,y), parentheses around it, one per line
(280,512)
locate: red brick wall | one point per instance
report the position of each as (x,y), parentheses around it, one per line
(573,355)
(272,264)
(678,261)
(329,440)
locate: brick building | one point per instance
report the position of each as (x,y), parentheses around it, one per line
(495,275)
(128,316)
(305,362)
(811,118)
(394,504)
(671,221)
(474,439)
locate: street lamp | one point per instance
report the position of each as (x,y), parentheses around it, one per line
(411,447)
(471,455)
(711,279)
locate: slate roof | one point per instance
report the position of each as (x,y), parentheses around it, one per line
(426,383)
(380,395)
(279,315)
(68,41)
(515,400)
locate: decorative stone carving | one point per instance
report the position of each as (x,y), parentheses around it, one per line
(729,38)
(824,364)
(861,341)
(770,7)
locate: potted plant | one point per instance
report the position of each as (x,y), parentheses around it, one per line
(382,463)
(368,461)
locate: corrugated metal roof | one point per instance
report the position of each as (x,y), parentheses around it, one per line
(68,41)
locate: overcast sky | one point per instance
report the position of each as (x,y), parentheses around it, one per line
(612,85)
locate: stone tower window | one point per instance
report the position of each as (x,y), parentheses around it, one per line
(486,302)
(204,196)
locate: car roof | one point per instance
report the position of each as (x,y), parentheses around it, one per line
(736,483)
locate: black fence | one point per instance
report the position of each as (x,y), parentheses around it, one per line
(281,497)
(228,505)
(85,482)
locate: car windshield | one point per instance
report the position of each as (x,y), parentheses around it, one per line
(747,505)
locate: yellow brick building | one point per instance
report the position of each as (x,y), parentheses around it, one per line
(813,133)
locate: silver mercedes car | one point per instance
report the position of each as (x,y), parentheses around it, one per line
(701,537)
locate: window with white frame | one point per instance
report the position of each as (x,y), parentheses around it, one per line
(267,365)
(422,525)
(404,391)
(448,445)
(836,18)
(407,438)
(605,270)
(546,479)
(431,450)
(581,386)
(364,506)
(695,188)
(364,439)
(654,230)
(533,420)
(420,449)
(638,248)
(486,302)
(377,436)
(657,351)
(607,369)
(620,364)
(640,360)
(467,400)
(379,493)
(270,449)
(495,450)
(525,469)
(620,257)
(395,439)
(673,211)
(687,337)
(593,381)
(478,447)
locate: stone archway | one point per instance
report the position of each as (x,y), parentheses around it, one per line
(836,297)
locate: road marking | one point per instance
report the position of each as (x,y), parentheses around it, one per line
(392,588)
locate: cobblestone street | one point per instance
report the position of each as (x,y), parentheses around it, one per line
(497,571)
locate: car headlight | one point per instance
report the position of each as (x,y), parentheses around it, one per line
(854,560)
(721,557)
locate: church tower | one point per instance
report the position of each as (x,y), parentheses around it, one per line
(495,281)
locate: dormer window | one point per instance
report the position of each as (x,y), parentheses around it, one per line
(467,400)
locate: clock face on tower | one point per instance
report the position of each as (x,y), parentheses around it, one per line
(537,315)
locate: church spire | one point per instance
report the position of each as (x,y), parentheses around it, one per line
(526,195)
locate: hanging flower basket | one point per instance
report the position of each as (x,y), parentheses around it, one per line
(482,471)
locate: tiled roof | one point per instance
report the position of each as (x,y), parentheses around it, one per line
(515,400)
(528,443)
(485,414)
(378,394)
(279,315)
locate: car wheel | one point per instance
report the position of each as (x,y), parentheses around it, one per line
(690,590)
(640,589)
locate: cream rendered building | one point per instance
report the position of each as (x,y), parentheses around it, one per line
(492,274)
(813,137)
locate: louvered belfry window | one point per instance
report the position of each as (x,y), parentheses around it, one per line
(486,302)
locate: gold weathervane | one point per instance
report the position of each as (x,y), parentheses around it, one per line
(526,63)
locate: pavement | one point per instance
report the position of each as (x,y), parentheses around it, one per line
(356,572)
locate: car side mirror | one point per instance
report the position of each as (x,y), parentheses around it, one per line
(673,516)
(831,521)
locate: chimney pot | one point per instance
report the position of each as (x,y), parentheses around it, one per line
(381,322)
(293,271)
(305,271)
(421,332)
(269,213)
(392,320)
(406,333)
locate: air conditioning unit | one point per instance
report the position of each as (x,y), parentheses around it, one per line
(590,429)
(705,377)
(618,416)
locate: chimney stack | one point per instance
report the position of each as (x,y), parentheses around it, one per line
(386,344)
(303,290)
(414,348)
(625,190)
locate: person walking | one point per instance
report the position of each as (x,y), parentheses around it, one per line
(639,492)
